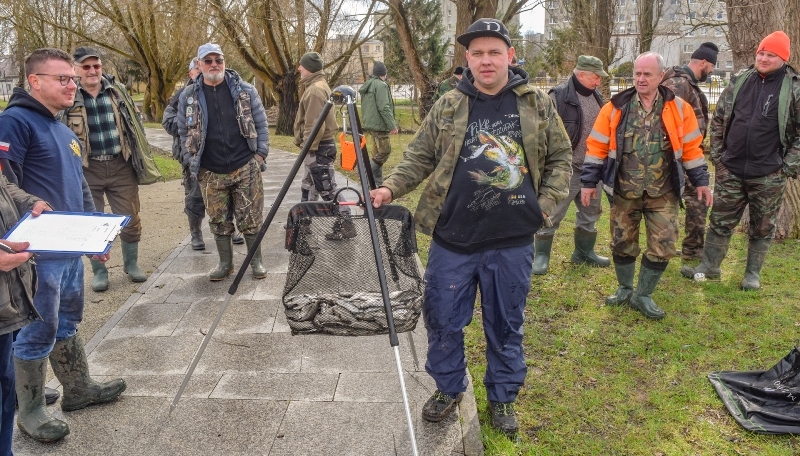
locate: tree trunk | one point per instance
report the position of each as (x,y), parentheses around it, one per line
(288,100)
(421,77)
(753,21)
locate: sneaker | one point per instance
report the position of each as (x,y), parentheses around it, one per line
(503,418)
(439,406)
(343,228)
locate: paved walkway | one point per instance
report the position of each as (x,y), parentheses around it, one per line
(258,389)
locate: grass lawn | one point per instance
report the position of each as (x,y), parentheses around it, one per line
(607,381)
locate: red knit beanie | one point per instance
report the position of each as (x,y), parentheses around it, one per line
(777,43)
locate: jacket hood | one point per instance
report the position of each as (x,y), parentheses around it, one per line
(23,99)
(680,71)
(312,78)
(516,77)
(623,98)
(366,86)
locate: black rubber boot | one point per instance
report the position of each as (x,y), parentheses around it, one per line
(100,279)
(541,257)
(625,273)
(51,395)
(584,250)
(33,418)
(714,251)
(195,227)
(130,259)
(259,271)
(648,280)
(68,360)
(303,195)
(225,251)
(756,254)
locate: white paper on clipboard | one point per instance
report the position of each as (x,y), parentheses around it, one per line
(68,232)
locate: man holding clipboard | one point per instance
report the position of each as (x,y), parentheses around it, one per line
(42,156)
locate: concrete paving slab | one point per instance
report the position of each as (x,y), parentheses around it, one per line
(270,287)
(276,386)
(383,387)
(241,317)
(230,353)
(149,319)
(144,355)
(200,386)
(323,353)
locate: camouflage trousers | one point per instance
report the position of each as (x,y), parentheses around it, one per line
(320,177)
(732,194)
(239,194)
(661,224)
(695,222)
(379,146)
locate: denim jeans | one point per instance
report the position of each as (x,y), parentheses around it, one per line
(59,301)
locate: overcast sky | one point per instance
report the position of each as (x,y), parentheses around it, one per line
(533,20)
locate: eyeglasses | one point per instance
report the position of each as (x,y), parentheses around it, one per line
(218,60)
(63,78)
(96,66)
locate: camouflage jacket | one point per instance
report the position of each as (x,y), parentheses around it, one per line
(193,119)
(788,118)
(446,86)
(435,148)
(680,80)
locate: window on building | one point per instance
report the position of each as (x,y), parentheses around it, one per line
(673,2)
(634,17)
(688,48)
(704,31)
(566,18)
(690,33)
(692,15)
(377,48)
(716,65)
(717,32)
(552,19)
(673,17)
(720,15)
(729,64)
(551,35)
(620,2)
(552,5)
(633,2)
(366,48)
(621,30)
(620,18)
(692,1)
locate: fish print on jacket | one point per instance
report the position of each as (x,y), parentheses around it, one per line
(510,159)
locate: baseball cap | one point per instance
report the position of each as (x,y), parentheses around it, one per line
(484,27)
(208,48)
(84,52)
(193,64)
(591,63)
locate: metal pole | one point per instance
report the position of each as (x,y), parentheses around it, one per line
(250,253)
(376,248)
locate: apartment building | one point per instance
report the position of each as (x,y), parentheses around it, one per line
(682,26)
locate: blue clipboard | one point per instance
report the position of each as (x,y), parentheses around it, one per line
(61,232)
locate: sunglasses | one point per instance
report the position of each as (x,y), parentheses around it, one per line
(63,78)
(96,66)
(218,61)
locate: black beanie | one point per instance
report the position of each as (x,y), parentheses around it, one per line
(311,61)
(379,69)
(707,51)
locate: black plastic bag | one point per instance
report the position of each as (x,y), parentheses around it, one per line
(765,402)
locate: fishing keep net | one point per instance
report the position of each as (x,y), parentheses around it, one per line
(332,285)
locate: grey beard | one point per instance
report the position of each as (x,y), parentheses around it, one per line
(214,77)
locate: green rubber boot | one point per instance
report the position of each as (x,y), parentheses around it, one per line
(756,254)
(100,279)
(68,360)
(714,251)
(623,294)
(641,298)
(541,257)
(33,418)
(259,271)
(225,266)
(130,258)
(584,250)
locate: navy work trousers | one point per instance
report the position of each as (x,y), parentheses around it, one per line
(451,282)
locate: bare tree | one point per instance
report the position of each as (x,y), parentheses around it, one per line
(649,13)
(272,35)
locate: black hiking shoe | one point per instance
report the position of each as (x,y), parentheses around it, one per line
(343,228)
(504,419)
(439,406)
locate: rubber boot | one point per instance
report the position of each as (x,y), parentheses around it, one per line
(641,298)
(259,271)
(197,233)
(623,294)
(33,418)
(584,250)
(225,266)
(68,360)
(541,257)
(130,258)
(237,238)
(100,279)
(756,254)
(51,395)
(377,173)
(714,251)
